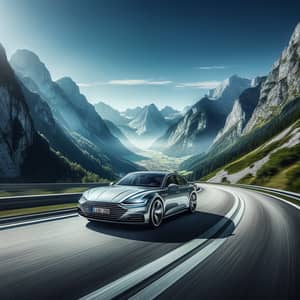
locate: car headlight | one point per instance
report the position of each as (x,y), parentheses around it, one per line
(83,199)
(138,199)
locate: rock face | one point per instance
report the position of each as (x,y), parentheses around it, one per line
(16,127)
(281,86)
(169,112)
(72,111)
(131,113)
(228,91)
(61,140)
(149,122)
(239,116)
(196,130)
(108,113)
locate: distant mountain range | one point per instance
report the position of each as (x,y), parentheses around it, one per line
(149,122)
(195,131)
(140,122)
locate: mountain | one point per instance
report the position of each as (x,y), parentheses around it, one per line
(60,139)
(196,130)
(24,154)
(281,86)
(117,132)
(16,127)
(131,113)
(236,121)
(266,150)
(228,91)
(108,113)
(169,112)
(72,111)
(149,122)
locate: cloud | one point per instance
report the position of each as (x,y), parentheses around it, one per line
(211,67)
(200,84)
(126,82)
(139,82)
(89,84)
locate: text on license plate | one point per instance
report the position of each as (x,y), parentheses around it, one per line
(101,210)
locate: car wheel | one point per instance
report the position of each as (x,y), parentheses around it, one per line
(156,213)
(193,202)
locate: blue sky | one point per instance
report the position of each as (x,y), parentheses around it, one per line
(134,52)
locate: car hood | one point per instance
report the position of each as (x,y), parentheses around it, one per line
(115,193)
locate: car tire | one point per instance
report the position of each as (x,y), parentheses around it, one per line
(156,214)
(193,203)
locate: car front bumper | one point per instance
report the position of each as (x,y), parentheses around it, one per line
(118,213)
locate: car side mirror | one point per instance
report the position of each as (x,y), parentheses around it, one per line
(172,187)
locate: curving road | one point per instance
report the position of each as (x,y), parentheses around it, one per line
(239,244)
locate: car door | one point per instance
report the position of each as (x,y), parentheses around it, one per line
(183,191)
(171,196)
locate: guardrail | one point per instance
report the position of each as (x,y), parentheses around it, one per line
(7,203)
(47,186)
(292,195)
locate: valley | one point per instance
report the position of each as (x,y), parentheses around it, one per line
(242,131)
(159,161)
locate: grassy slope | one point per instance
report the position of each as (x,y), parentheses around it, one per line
(281,171)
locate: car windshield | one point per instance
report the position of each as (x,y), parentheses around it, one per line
(143,179)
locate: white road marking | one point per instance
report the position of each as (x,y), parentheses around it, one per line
(130,280)
(35,221)
(163,283)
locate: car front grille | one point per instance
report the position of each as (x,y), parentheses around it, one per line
(116,211)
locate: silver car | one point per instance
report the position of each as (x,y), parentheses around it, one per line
(139,198)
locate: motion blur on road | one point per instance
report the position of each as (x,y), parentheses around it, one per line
(254,255)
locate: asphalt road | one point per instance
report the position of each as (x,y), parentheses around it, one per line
(255,255)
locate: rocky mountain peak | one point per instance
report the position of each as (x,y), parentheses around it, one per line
(281,86)
(68,85)
(295,38)
(231,85)
(2,54)
(28,64)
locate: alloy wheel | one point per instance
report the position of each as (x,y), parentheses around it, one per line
(157,213)
(193,202)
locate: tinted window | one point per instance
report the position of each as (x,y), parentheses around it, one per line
(143,179)
(171,179)
(181,180)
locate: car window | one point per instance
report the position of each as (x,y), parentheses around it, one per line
(181,180)
(171,179)
(142,179)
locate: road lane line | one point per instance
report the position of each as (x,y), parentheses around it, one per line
(130,280)
(36,221)
(163,283)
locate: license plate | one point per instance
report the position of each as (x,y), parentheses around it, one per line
(101,210)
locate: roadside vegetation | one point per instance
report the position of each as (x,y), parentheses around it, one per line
(8,193)
(35,210)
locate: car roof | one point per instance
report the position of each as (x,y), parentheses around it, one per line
(154,172)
